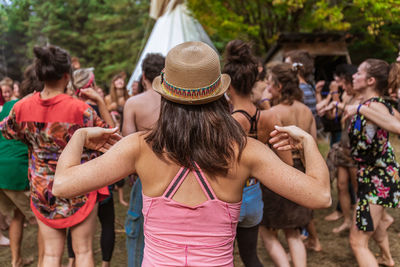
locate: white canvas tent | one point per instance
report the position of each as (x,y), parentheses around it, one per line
(174,27)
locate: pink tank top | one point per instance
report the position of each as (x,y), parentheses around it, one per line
(180,235)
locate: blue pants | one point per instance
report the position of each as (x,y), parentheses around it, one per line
(134,227)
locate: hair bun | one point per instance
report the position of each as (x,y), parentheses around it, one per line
(43,54)
(238,51)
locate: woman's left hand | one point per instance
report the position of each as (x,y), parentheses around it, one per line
(288,138)
(101,139)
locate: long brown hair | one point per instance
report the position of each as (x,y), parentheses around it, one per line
(113,92)
(285,75)
(206,134)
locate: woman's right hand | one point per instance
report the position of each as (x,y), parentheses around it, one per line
(288,138)
(350,111)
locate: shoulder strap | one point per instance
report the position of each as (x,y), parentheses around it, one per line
(247,115)
(203,182)
(176,182)
(253,121)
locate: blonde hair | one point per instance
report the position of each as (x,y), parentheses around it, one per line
(6,81)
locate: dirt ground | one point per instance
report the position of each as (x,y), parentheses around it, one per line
(336,249)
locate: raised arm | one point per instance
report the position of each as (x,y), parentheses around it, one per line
(94,96)
(310,189)
(73,178)
(378,114)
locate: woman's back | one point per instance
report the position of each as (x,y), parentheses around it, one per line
(178,234)
(46,125)
(296,114)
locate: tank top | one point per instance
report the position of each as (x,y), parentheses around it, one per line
(253,121)
(252,133)
(180,235)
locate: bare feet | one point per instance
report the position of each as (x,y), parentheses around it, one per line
(313,245)
(334,216)
(345,226)
(385,262)
(4,241)
(23,262)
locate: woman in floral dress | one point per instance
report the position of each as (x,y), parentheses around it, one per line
(378,178)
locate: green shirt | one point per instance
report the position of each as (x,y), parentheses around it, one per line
(13,159)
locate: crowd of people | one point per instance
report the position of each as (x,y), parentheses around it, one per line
(213,155)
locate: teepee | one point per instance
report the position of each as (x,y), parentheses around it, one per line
(174,26)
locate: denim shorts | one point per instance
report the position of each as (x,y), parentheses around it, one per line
(134,227)
(251,211)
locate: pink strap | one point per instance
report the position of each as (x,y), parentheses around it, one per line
(176,182)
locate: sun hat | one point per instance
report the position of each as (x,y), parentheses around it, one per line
(192,75)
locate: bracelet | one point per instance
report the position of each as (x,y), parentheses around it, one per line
(263,100)
(358,109)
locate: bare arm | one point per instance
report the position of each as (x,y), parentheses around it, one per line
(105,114)
(128,125)
(73,178)
(310,189)
(378,114)
(91,94)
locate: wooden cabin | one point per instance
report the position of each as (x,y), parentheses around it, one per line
(328,50)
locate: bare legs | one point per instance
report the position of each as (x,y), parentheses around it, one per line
(382,239)
(344,198)
(313,241)
(16,232)
(82,240)
(277,252)
(359,239)
(54,239)
(40,248)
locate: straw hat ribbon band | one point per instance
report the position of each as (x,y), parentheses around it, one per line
(172,90)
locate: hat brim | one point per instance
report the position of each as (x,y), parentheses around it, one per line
(225,82)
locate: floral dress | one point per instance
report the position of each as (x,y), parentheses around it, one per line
(378,171)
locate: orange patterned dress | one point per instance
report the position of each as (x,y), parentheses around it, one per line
(46,126)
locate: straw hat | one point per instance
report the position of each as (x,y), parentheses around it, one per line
(192,75)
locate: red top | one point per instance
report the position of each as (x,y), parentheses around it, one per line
(46,126)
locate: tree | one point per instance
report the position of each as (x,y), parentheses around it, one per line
(105,34)
(13,38)
(261,21)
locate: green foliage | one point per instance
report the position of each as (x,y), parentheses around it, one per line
(109,34)
(262,21)
(105,34)
(374,23)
